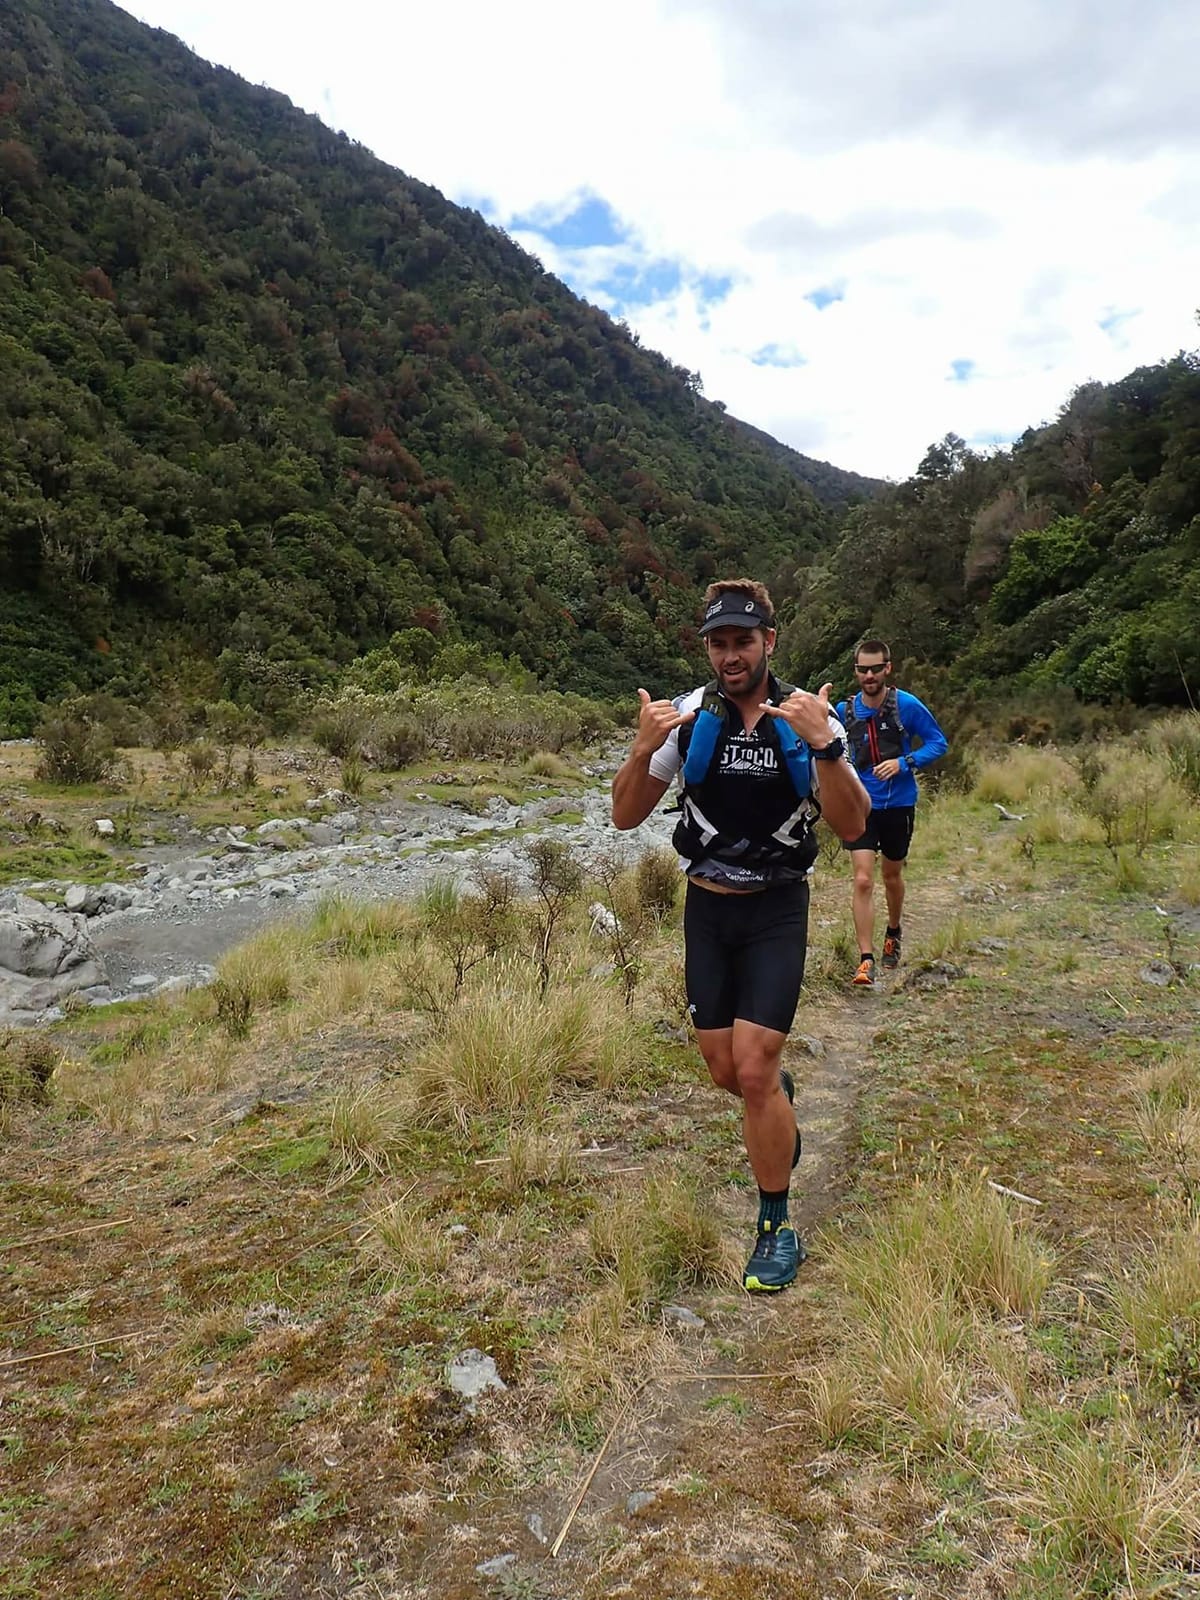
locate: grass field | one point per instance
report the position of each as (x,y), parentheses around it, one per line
(246,1231)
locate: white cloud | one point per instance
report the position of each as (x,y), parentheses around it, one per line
(985,185)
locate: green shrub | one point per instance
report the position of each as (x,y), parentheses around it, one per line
(658,880)
(339,728)
(396,740)
(75,748)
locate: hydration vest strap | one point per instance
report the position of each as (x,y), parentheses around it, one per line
(795,756)
(702,745)
(709,727)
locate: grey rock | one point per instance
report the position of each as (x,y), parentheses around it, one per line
(537,1527)
(116,897)
(811,1046)
(322,834)
(496,1567)
(932,975)
(37,942)
(471,1374)
(639,1500)
(143,980)
(502,857)
(105,827)
(683,1318)
(1158,972)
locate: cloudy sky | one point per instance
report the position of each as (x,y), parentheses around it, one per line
(866,223)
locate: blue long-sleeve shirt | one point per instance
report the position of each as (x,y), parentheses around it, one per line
(919,723)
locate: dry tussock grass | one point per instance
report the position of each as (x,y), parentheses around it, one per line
(922,1285)
(1024,773)
(1120,1510)
(372,1127)
(658,1239)
(404,1241)
(508,1050)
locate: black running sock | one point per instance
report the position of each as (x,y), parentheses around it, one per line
(772,1208)
(893,933)
(866,955)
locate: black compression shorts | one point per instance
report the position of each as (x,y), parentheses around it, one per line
(745,955)
(889,831)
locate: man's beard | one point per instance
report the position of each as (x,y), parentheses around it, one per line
(754,676)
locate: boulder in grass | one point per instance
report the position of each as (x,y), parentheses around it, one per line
(44,955)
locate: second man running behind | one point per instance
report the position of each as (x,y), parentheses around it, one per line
(881,722)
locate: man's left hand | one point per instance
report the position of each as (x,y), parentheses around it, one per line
(886,770)
(807,714)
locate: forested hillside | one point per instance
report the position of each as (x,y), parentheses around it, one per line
(1064,569)
(265,401)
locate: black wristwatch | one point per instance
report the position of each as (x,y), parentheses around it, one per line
(833,751)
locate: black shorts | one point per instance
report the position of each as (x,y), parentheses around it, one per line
(745,955)
(889,831)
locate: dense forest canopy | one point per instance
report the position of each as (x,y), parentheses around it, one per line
(266,401)
(1068,565)
(268,404)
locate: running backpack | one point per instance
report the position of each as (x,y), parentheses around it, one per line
(701,742)
(879,738)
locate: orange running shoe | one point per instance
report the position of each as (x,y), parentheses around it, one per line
(891,951)
(864,978)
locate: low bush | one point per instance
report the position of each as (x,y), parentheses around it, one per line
(75,748)
(27,1063)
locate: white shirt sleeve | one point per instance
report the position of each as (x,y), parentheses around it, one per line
(665,762)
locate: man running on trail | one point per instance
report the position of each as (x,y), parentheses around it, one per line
(755,755)
(881,722)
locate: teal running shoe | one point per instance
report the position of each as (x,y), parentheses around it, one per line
(775,1260)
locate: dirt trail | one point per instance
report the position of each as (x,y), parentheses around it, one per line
(650,1445)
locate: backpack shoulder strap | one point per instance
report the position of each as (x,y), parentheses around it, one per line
(892,703)
(791,747)
(702,735)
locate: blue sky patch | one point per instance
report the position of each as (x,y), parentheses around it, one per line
(592,222)
(961,370)
(709,290)
(642,283)
(1114,321)
(601,257)
(778,355)
(828,295)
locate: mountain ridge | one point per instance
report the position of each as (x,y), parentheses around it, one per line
(270,400)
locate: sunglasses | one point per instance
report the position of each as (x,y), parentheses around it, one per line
(875,671)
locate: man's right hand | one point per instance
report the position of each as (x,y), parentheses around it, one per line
(656,720)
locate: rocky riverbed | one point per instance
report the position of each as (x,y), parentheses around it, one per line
(184,905)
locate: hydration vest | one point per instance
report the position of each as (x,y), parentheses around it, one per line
(881,737)
(702,741)
(757,844)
